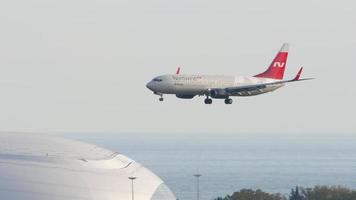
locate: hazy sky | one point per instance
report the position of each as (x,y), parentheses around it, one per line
(82,65)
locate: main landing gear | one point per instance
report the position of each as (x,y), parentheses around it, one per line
(208,101)
(228,101)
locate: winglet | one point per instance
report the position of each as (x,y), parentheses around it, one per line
(178,70)
(298,75)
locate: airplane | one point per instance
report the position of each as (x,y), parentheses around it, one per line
(223,87)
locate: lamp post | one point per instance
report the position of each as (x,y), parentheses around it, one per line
(197,176)
(132,178)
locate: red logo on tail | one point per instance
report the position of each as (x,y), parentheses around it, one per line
(279,64)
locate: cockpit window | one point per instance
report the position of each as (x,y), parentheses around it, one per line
(157,79)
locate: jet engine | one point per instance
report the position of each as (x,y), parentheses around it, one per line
(185,96)
(219,93)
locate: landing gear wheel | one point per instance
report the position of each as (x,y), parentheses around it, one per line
(228,101)
(160,99)
(208,101)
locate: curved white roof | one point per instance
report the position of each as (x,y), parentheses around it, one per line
(37,166)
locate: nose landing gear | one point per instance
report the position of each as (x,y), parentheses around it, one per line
(160,96)
(228,101)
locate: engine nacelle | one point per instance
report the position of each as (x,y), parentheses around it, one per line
(185,96)
(219,93)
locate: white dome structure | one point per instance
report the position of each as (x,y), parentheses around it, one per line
(42,167)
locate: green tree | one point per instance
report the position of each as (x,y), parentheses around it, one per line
(296,195)
(225,198)
(248,194)
(329,193)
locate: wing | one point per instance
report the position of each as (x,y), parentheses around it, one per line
(250,88)
(257,87)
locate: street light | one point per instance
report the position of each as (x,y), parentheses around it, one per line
(132,178)
(197,175)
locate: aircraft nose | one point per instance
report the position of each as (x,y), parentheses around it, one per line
(149,85)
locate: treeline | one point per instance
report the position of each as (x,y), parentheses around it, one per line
(297,193)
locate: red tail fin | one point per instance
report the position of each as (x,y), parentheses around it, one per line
(278,65)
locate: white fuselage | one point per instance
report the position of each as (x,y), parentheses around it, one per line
(200,84)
